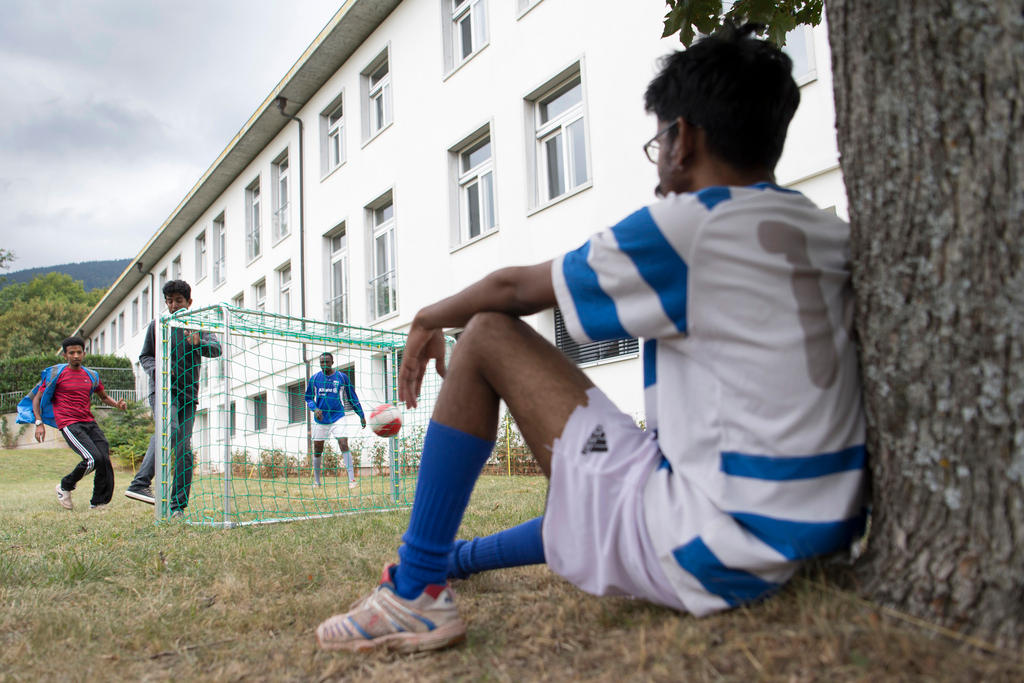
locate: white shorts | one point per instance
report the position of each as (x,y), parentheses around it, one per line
(345,426)
(595,534)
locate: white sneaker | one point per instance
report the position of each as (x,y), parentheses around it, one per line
(385,619)
(64,498)
(352,484)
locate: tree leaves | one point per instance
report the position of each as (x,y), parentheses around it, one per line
(689,18)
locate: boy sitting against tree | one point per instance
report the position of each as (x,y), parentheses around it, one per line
(753,459)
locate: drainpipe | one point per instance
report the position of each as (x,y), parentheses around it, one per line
(281,103)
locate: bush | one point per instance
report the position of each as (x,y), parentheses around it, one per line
(240,465)
(274,462)
(127,431)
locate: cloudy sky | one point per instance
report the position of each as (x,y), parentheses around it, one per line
(110,110)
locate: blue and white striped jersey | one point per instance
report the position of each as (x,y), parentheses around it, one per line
(743,298)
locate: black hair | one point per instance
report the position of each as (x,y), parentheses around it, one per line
(72,341)
(327,353)
(177,287)
(737,88)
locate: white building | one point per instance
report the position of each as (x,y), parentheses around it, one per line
(425,143)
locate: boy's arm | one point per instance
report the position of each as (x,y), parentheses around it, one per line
(102,393)
(516,291)
(208,345)
(309,394)
(37,410)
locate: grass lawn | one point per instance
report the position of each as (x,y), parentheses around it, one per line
(111,596)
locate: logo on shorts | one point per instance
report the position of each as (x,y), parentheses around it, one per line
(596,442)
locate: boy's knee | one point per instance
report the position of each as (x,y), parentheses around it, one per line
(488,329)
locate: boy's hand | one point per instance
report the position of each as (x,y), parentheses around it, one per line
(362,420)
(40,433)
(318,414)
(193,339)
(122,405)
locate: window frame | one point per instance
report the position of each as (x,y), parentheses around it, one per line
(454,13)
(258,400)
(387,228)
(333,131)
(295,401)
(280,185)
(218,231)
(540,132)
(253,225)
(284,289)
(201,255)
(461,182)
(371,89)
(259,295)
(336,304)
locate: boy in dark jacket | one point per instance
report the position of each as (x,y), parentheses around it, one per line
(186,352)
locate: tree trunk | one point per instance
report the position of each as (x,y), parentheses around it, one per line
(930,117)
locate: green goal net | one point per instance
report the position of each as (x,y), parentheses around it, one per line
(237,435)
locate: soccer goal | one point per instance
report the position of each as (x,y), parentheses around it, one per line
(251,438)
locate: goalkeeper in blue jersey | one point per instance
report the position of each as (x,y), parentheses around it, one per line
(324,398)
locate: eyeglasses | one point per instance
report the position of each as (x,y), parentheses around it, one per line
(651,146)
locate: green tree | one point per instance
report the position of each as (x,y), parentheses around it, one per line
(930,122)
(35,316)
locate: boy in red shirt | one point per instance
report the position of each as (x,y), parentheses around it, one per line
(73,387)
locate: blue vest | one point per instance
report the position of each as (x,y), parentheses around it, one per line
(49,375)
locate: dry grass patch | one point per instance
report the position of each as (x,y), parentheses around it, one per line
(111,596)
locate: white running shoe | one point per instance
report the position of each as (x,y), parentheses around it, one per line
(385,619)
(64,498)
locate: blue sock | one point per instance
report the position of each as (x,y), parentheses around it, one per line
(513,547)
(449,468)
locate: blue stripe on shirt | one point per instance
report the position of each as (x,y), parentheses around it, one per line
(713,196)
(783,468)
(796,540)
(658,263)
(735,586)
(650,362)
(595,309)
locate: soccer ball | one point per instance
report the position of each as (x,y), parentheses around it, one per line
(385,420)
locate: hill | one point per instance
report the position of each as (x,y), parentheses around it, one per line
(93,274)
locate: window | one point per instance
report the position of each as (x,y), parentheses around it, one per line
(238,300)
(382,268)
(337,275)
(163,281)
(219,250)
(176,268)
(120,328)
(259,295)
(145,306)
(475,173)
(102,342)
(279,198)
(113,334)
(377,101)
(295,396)
(284,281)
(591,352)
(332,135)
(465,30)
(259,412)
(800,48)
(201,256)
(252,221)
(561,140)
(135,315)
